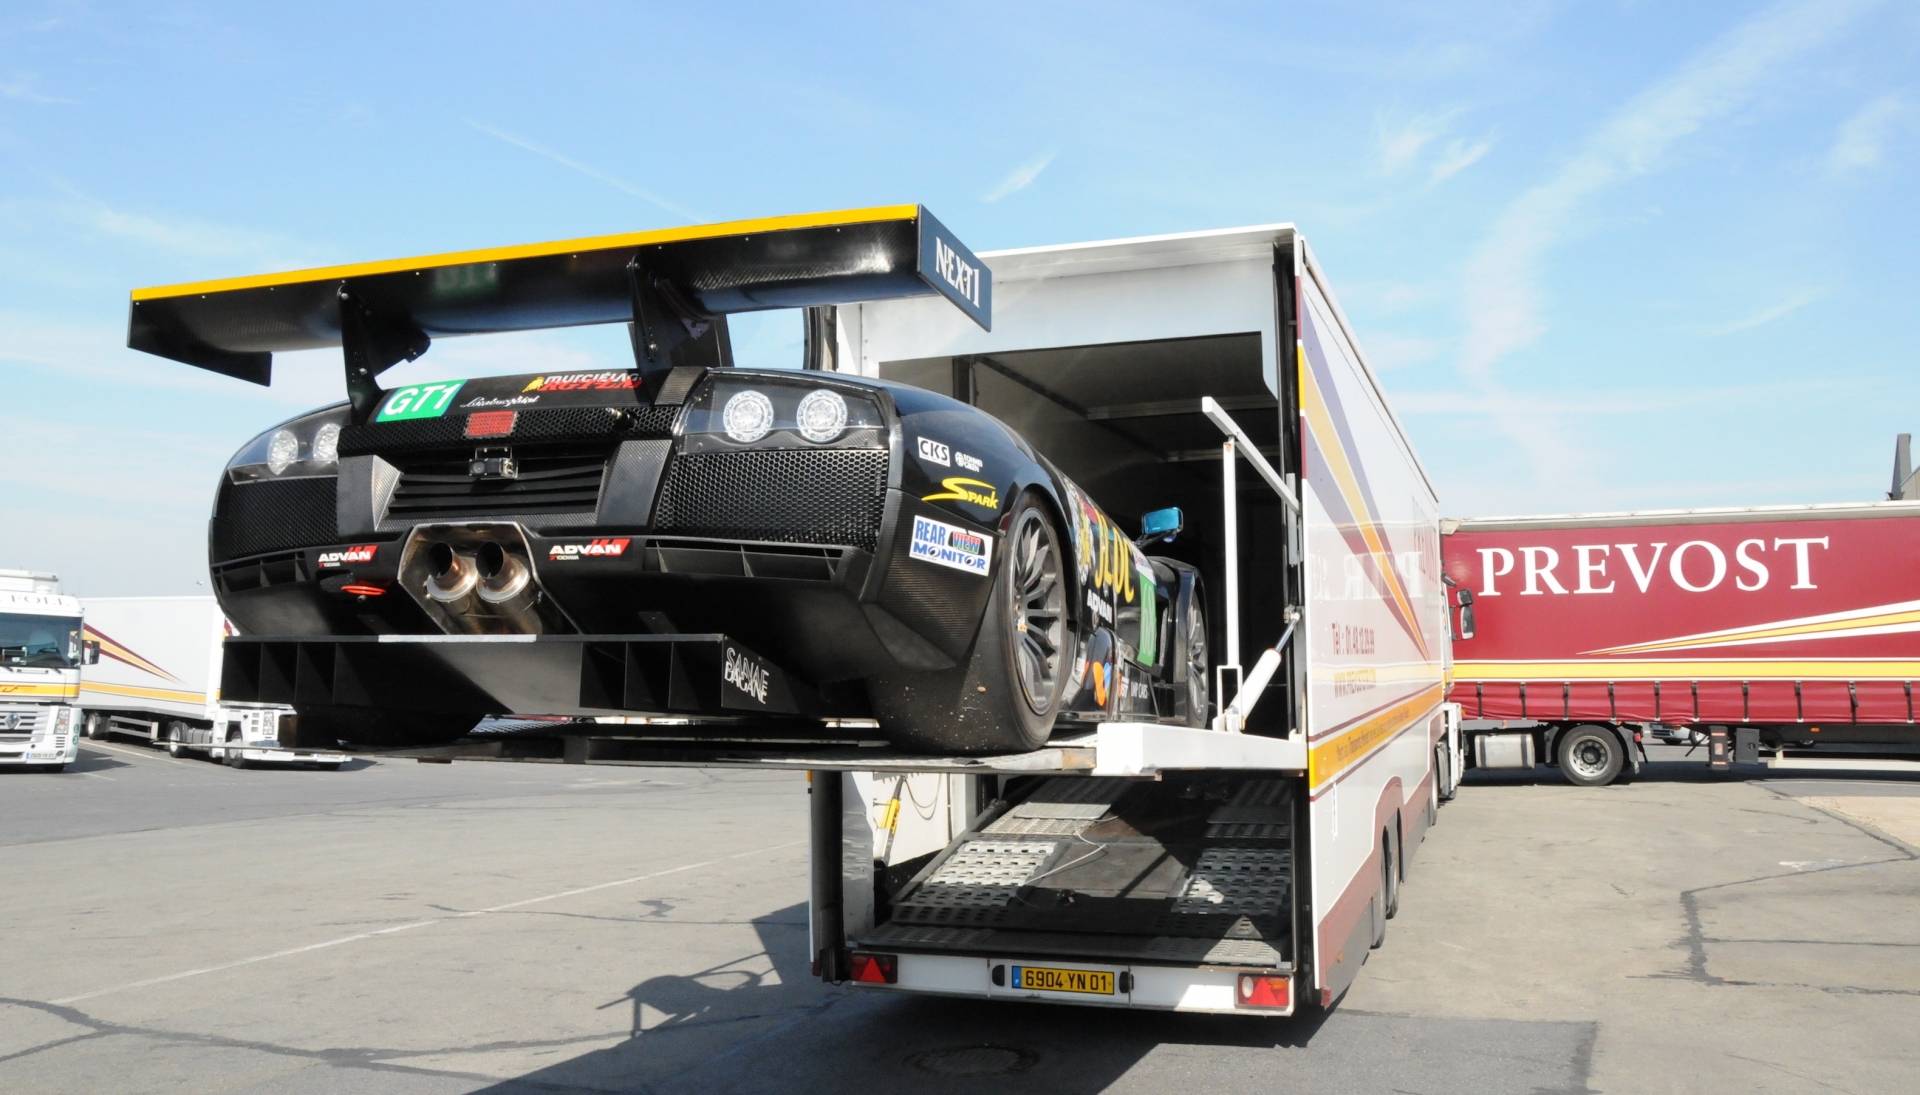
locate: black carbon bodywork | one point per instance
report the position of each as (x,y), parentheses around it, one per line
(656,549)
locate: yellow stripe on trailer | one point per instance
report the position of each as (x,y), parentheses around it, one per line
(63,691)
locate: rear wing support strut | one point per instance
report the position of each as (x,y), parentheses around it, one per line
(371,347)
(1248,687)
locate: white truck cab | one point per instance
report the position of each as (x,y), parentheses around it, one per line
(41,652)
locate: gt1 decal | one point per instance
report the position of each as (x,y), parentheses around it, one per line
(358,553)
(933,452)
(948,546)
(419,401)
(746,674)
(603,548)
(611,381)
(973,492)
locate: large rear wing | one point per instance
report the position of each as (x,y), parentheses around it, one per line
(675,286)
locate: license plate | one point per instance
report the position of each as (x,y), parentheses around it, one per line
(1062,979)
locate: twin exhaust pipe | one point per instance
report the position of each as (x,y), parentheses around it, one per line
(478,582)
(493,575)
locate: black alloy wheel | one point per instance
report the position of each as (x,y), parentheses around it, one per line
(1036,616)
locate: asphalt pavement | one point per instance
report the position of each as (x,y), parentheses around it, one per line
(397,927)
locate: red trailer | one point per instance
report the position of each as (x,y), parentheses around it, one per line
(1779,632)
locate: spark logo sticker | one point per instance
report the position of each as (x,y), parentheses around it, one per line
(419,401)
(974,492)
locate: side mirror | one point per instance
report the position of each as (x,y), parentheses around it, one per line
(1161,524)
(90,652)
(1466,621)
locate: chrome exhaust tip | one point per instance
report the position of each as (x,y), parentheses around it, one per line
(451,576)
(503,576)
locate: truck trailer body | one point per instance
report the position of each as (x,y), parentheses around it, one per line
(158,680)
(1785,628)
(1243,856)
(41,652)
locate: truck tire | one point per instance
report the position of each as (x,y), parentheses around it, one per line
(373,728)
(175,749)
(1591,756)
(232,753)
(1390,891)
(1443,773)
(1004,699)
(96,726)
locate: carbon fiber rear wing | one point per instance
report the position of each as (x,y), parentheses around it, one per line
(675,286)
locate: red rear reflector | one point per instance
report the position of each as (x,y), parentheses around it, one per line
(876,969)
(491,423)
(362,589)
(1259,990)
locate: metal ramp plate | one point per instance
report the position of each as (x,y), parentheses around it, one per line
(1262,953)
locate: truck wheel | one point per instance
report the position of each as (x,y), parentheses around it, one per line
(1443,778)
(175,749)
(1005,698)
(324,728)
(1590,756)
(1390,840)
(52,768)
(233,753)
(1377,907)
(96,725)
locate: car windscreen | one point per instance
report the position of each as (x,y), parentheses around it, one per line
(50,642)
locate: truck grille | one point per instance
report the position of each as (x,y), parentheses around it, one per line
(22,722)
(438,487)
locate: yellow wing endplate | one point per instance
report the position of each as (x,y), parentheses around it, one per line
(235,325)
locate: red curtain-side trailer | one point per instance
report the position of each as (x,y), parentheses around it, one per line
(1772,629)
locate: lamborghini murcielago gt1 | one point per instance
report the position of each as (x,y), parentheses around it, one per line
(769,548)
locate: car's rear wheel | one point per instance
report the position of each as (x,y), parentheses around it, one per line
(1199,684)
(326,727)
(1004,699)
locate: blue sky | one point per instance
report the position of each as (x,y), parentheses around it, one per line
(1606,255)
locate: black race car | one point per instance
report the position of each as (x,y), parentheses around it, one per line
(745,548)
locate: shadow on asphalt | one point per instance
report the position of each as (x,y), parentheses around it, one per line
(730,1028)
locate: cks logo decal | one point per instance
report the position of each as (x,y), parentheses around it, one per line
(358,553)
(585,382)
(746,674)
(933,452)
(946,545)
(974,492)
(419,401)
(603,548)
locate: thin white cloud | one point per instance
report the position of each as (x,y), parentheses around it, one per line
(1769,314)
(25,88)
(586,169)
(1631,402)
(1459,155)
(1400,143)
(1862,139)
(1019,178)
(1504,298)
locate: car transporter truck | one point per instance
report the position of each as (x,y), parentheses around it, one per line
(1242,862)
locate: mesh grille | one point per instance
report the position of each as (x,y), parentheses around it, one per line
(824,496)
(558,424)
(273,515)
(551,482)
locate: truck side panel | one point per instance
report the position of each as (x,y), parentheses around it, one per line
(1371,629)
(157,654)
(1762,617)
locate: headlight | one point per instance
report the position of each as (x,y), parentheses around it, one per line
(308,445)
(822,415)
(776,412)
(748,416)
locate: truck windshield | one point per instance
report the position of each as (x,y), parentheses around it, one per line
(51,642)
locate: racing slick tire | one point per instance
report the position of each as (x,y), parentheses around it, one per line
(1006,696)
(326,727)
(1591,756)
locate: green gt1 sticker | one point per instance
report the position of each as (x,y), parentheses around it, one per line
(419,401)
